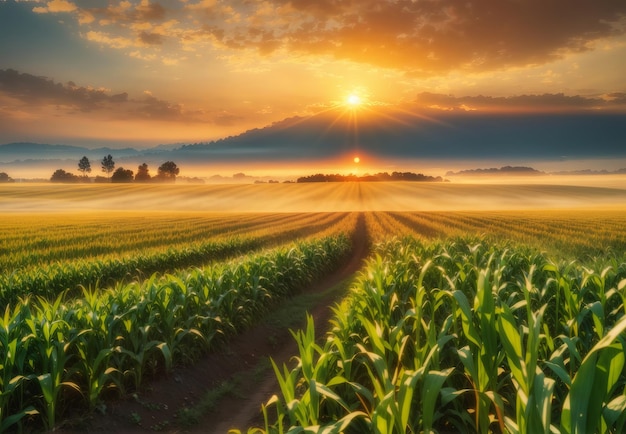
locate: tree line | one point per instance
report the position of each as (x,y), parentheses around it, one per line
(166,172)
(4,177)
(383,176)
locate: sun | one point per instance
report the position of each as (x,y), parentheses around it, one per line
(353,100)
(357,159)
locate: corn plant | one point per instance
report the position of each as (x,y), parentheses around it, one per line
(14,351)
(52,365)
(73,350)
(464,336)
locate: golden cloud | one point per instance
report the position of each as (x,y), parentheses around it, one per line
(54,6)
(419,37)
(111,41)
(549,102)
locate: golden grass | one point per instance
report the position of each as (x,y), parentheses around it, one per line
(313,197)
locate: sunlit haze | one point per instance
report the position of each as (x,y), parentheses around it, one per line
(308,197)
(415,85)
(354,100)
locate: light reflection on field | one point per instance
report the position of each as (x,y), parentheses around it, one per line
(393,196)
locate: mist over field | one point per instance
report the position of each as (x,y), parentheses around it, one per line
(311,197)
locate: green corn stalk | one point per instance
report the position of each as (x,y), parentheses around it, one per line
(534,389)
(53,360)
(481,357)
(13,354)
(592,388)
(139,348)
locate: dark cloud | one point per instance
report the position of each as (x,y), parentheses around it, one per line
(556,101)
(32,89)
(423,37)
(137,13)
(154,108)
(40,91)
(151,11)
(151,38)
(616,98)
(428,36)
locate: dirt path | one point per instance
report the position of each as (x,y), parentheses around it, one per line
(157,408)
(241,413)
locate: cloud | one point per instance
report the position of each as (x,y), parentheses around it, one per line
(420,37)
(54,6)
(536,103)
(26,96)
(128,12)
(617,98)
(153,108)
(38,92)
(31,89)
(151,38)
(111,41)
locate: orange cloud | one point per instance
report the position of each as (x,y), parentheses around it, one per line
(421,38)
(54,6)
(520,103)
(111,41)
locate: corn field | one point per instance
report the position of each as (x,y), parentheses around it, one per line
(62,348)
(458,322)
(463,336)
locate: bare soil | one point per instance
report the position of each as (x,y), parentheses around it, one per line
(158,406)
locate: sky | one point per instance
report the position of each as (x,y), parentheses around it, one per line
(142,73)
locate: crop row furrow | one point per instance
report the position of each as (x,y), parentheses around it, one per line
(50,280)
(464,336)
(75,351)
(42,244)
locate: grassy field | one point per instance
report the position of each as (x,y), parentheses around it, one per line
(482,307)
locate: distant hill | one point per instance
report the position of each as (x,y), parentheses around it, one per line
(506,170)
(39,151)
(591,172)
(428,135)
(406,138)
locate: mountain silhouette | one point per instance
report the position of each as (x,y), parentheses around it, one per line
(39,151)
(397,134)
(381,132)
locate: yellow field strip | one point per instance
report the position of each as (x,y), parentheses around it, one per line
(309,197)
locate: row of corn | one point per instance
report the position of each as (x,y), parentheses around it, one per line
(73,351)
(28,241)
(463,336)
(50,279)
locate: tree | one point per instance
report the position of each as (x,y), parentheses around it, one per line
(143,174)
(61,175)
(5,177)
(108,165)
(168,171)
(84,166)
(122,175)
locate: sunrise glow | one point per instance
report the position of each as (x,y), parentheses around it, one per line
(276,84)
(357,159)
(353,100)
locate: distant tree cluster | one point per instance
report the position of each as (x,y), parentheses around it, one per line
(167,172)
(383,176)
(506,170)
(5,177)
(61,175)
